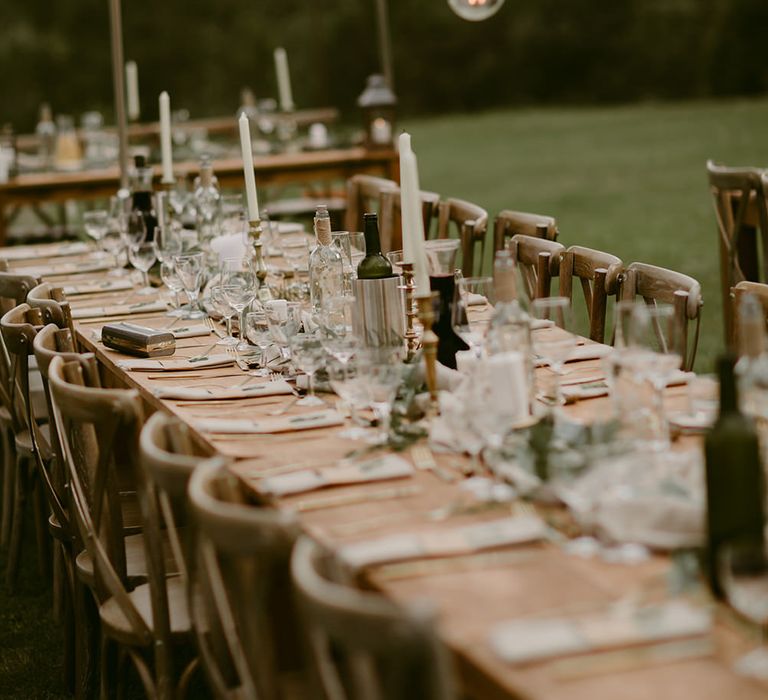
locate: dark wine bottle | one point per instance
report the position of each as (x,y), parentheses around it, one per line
(734,474)
(142,196)
(448,342)
(374,265)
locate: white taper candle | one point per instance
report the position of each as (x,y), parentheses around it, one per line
(165,138)
(250,178)
(283,80)
(132,90)
(413,223)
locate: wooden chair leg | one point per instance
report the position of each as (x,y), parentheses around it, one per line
(17,524)
(42,535)
(66,613)
(9,470)
(58,582)
(85,640)
(108,668)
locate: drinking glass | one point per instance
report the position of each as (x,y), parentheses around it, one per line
(96,223)
(232,214)
(189,267)
(142,257)
(554,344)
(220,301)
(257,331)
(382,373)
(655,353)
(238,278)
(171,280)
(133,229)
(471,325)
(356,248)
(295,249)
(284,321)
(167,242)
(743,568)
(179,197)
(307,354)
(112,243)
(348,381)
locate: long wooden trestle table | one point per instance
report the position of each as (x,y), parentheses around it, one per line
(471,595)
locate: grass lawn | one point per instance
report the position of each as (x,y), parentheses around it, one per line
(629,180)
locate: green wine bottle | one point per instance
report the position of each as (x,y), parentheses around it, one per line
(734,475)
(374,265)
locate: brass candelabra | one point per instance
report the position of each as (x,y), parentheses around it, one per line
(254,235)
(411,336)
(429,344)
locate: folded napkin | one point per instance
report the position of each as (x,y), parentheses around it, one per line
(65,269)
(588,390)
(96,287)
(476,299)
(526,641)
(589,351)
(537,323)
(142,307)
(284,424)
(32,252)
(188,393)
(177,365)
(376,469)
(447,542)
(194,331)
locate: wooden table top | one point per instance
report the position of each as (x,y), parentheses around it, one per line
(471,599)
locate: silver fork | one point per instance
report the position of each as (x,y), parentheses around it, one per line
(209,322)
(203,355)
(424,459)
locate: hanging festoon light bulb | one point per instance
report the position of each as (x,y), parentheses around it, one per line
(475,10)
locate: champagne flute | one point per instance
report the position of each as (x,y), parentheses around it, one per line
(471,325)
(142,257)
(383,376)
(221,303)
(554,345)
(171,280)
(189,267)
(307,354)
(112,243)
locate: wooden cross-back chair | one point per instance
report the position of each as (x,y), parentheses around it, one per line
(365,647)
(510,223)
(659,285)
(742,226)
(242,593)
(471,223)
(54,307)
(599,274)
(363,196)
(146,623)
(758,290)
(391,221)
(538,261)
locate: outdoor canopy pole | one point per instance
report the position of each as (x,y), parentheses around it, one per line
(385,45)
(116,32)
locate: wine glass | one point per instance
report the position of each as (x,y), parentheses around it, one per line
(112,243)
(142,257)
(295,249)
(189,267)
(555,344)
(167,242)
(238,278)
(232,214)
(96,223)
(655,353)
(743,568)
(471,325)
(179,197)
(171,280)
(382,374)
(284,321)
(307,355)
(348,381)
(221,303)
(133,229)
(257,331)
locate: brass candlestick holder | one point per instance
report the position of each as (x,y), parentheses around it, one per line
(411,337)
(429,344)
(254,235)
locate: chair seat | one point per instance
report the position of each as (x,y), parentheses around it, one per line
(116,625)
(37,396)
(135,561)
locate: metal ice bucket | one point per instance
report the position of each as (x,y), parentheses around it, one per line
(379,318)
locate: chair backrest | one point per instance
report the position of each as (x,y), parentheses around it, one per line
(471,222)
(390,219)
(364,647)
(659,285)
(510,223)
(54,306)
(242,584)
(599,274)
(363,195)
(14,289)
(740,209)
(99,434)
(538,261)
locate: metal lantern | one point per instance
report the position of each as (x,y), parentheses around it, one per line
(475,10)
(378,104)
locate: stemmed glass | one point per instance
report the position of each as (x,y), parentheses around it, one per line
(554,344)
(239,281)
(743,568)
(189,267)
(307,355)
(655,353)
(382,373)
(348,381)
(471,325)
(95,223)
(257,331)
(284,321)
(295,249)
(171,280)
(133,229)
(142,257)
(220,301)
(112,243)
(167,243)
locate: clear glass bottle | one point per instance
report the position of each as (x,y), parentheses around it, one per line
(68,154)
(46,136)
(207,199)
(326,267)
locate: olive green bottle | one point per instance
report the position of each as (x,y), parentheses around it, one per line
(374,265)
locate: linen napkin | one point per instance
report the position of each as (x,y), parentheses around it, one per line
(189,393)
(142,307)
(284,424)
(376,469)
(455,541)
(526,641)
(193,331)
(177,365)
(65,269)
(96,287)
(32,252)
(476,299)
(589,351)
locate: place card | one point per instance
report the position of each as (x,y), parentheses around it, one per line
(142,307)
(117,285)
(537,639)
(304,421)
(32,252)
(188,393)
(52,270)
(519,529)
(179,365)
(376,469)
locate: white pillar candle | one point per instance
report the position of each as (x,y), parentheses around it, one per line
(132,90)
(412,221)
(165,138)
(250,178)
(283,80)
